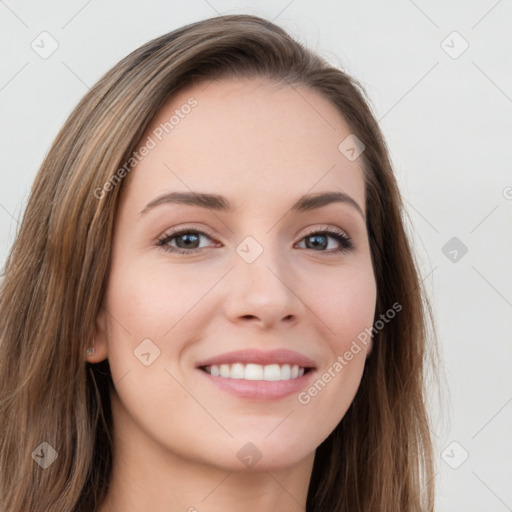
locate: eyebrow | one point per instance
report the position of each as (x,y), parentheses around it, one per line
(221,203)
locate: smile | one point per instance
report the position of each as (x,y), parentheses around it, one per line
(251,371)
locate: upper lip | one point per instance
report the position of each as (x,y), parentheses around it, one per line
(256,356)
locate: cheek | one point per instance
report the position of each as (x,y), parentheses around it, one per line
(345,303)
(144,338)
(139,315)
(346,309)
(147,301)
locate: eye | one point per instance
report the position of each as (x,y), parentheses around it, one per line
(319,239)
(187,241)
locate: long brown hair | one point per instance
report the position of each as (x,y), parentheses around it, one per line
(379,458)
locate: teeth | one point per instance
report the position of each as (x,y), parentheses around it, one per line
(224,370)
(237,371)
(272,372)
(252,371)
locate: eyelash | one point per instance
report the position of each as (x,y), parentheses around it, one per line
(346,244)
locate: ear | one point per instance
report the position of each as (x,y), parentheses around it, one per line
(100,341)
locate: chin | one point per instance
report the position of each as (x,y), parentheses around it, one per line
(266,454)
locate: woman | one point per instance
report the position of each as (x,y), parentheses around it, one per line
(211,303)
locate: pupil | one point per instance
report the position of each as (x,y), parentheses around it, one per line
(188,238)
(316,243)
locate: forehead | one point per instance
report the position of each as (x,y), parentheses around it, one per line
(253,140)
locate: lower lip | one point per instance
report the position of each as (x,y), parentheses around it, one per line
(261,389)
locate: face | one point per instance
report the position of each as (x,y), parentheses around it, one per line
(228,330)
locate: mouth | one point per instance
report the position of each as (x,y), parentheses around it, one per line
(256,372)
(257,375)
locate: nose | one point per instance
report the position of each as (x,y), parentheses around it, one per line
(263,292)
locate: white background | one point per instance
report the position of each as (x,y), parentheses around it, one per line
(448,124)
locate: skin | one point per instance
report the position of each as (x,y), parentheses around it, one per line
(176,436)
